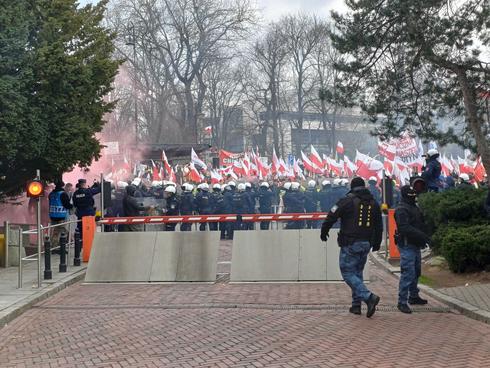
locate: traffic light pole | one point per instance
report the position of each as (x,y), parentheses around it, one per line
(39,234)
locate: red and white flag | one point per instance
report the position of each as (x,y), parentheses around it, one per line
(194,174)
(172,176)
(215,177)
(275,162)
(197,161)
(168,169)
(315,158)
(480,171)
(387,150)
(155,172)
(340,148)
(349,167)
(297,170)
(336,167)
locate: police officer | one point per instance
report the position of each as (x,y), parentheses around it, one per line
(325,196)
(432,170)
(83,201)
(361,228)
(132,206)
(227,227)
(265,203)
(373,188)
(186,205)
(296,204)
(410,238)
(217,205)
(286,195)
(250,197)
(203,203)
(311,203)
(239,205)
(171,206)
(59,207)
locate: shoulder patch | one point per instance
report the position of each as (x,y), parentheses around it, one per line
(334,209)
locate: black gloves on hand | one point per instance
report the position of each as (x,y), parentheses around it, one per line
(324,236)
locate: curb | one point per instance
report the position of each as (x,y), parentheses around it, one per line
(24,305)
(464,308)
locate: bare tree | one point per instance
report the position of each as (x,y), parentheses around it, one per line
(176,40)
(302,34)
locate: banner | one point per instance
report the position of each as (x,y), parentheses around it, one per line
(405,148)
(229,158)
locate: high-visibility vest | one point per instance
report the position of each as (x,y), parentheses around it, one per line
(56,209)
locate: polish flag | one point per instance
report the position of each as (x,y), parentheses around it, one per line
(165,163)
(155,172)
(172,176)
(336,167)
(446,166)
(309,165)
(283,167)
(387,150)
(479,170)
(194,174)
(367,166)
(238,168)
(349,167)
(315,158)
(275,162)
(262,170)
(340,148)
(325,163)
(245,167)
(297,170)
(464,167)
(197,161)
(215,177)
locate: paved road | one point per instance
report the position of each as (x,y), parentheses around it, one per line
(238,325)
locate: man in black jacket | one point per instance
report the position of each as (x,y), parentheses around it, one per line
(410,239)
(361,228)
(132,207)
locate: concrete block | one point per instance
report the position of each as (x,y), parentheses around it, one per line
(312,256)
(185,256)
(265,256)
(121,257)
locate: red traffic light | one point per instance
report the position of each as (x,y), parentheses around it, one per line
(35,189)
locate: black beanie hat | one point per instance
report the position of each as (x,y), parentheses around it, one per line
(357,182)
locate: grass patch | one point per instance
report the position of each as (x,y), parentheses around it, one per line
(424,280)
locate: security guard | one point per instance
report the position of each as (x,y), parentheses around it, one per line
(186,205)
(361,229)
(83,201)
(265,203)
(171,206)
(410,238)
(311,203)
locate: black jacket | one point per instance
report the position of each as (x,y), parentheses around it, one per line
(410,225)
(357,207)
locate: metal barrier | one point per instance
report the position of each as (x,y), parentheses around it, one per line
(42,232)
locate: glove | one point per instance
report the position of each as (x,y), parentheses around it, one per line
(324,237)
(376,247)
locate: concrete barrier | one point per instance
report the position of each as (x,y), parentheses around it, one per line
(289,255)
(153,257)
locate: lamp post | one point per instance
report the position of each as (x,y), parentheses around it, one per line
(132,42)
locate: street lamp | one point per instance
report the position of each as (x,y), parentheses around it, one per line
(131,41)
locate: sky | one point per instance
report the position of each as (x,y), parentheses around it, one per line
(274,9)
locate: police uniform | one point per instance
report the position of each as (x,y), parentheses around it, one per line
(172,209)
(216,207)
(227,208)
(187,206)
(295,204)
(250,197)
(410,238)
(361,229)
(311,205)
(83,201)
(59,206)
(265,205)
(239,207)
(203,206)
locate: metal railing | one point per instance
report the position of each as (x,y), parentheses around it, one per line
(42,232)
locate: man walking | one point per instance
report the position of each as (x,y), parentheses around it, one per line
(410,239)
(361,228)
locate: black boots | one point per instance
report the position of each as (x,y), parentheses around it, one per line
(404,308)
(355,309)
(417,301)
(372,302)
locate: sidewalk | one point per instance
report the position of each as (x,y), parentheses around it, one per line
(14,301)
(472,300)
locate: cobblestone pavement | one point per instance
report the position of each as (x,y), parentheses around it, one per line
(477,295)
(238,325)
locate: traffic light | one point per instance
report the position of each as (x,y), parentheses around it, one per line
(35,189)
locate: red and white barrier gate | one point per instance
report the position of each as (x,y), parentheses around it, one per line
(212,218)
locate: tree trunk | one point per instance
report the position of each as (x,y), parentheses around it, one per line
(190,116)
(475,124)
